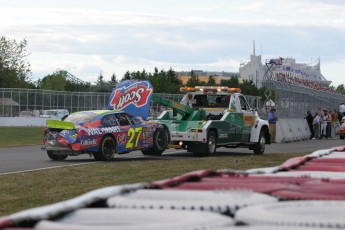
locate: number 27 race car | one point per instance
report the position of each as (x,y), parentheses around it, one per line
(103,133)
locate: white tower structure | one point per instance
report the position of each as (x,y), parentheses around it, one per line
(253,70)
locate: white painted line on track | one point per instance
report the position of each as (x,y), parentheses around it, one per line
(54,167)
(60,166)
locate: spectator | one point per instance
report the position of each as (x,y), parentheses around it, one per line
(326,125)
(272,120)
(334,123)
(342,108)
(310,119)
(316,125)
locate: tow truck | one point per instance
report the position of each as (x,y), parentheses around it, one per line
(209,117)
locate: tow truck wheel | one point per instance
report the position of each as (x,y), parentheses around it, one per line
(107,149)
(209,147)
(160,143)
(56,157)
(259,147)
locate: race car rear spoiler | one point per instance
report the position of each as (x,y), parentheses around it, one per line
(55,124)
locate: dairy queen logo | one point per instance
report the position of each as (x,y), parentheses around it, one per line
(136,94)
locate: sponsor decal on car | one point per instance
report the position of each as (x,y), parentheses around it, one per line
(121,139)
(130,95)
(100,131)
(88,142)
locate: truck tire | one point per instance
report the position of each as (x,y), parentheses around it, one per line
(259,148)
(160,143)
(107,149)
(209,147)
(56,157)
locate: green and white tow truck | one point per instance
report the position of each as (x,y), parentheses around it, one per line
(209,117)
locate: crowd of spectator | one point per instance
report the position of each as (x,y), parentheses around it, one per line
(295,80)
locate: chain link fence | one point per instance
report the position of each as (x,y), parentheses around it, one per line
(292,101)
(29,102)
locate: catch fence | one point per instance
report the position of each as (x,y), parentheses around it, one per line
(292,101)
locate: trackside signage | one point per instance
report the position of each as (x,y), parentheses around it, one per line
(133,97)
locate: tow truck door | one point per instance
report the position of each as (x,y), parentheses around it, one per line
(249,119)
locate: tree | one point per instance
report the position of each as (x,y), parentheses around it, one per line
(193,80)
(233,82)
(249,88)
(127,76)
(341,89)
(55,81)
(14,68)
(59,80)
(165,82)
(211,81)
(113,79)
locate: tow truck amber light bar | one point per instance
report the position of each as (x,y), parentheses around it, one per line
(210,89)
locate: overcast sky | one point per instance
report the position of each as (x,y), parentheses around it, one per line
(88,37)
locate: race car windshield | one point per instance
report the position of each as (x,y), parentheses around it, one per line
(81,118)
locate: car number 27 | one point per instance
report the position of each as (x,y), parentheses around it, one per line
(134,136)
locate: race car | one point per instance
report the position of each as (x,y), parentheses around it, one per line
(102,134)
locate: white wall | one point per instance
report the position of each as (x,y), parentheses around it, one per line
(23,121)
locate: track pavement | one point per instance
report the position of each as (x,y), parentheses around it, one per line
(31,158)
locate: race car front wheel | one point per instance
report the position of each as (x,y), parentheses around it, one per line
(56,157)
(107,149)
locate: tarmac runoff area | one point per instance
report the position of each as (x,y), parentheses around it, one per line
(303,146)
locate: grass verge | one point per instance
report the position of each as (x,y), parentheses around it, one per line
(32,189)
(20,136)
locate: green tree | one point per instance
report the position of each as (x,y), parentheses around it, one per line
(165,82)
(59,80)
(233,82)
(113,79)
(341,89)
(249,88)
(14,68)
(127,76)
(193,80)
(211,81)
(55,81)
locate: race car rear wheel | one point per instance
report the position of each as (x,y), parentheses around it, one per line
(259,147)
(107,149)
(56,157)
(160,143)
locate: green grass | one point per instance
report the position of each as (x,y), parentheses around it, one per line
(20,136)
(32,189)
(26,190)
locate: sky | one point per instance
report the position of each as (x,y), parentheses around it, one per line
(88,38)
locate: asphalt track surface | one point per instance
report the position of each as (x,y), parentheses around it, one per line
(32,158)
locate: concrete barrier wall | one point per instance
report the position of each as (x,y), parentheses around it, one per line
(23,121)
(289,130)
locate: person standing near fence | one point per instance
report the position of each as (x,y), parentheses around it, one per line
(310,119)
(335,123)
(316,125)
(272,120)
